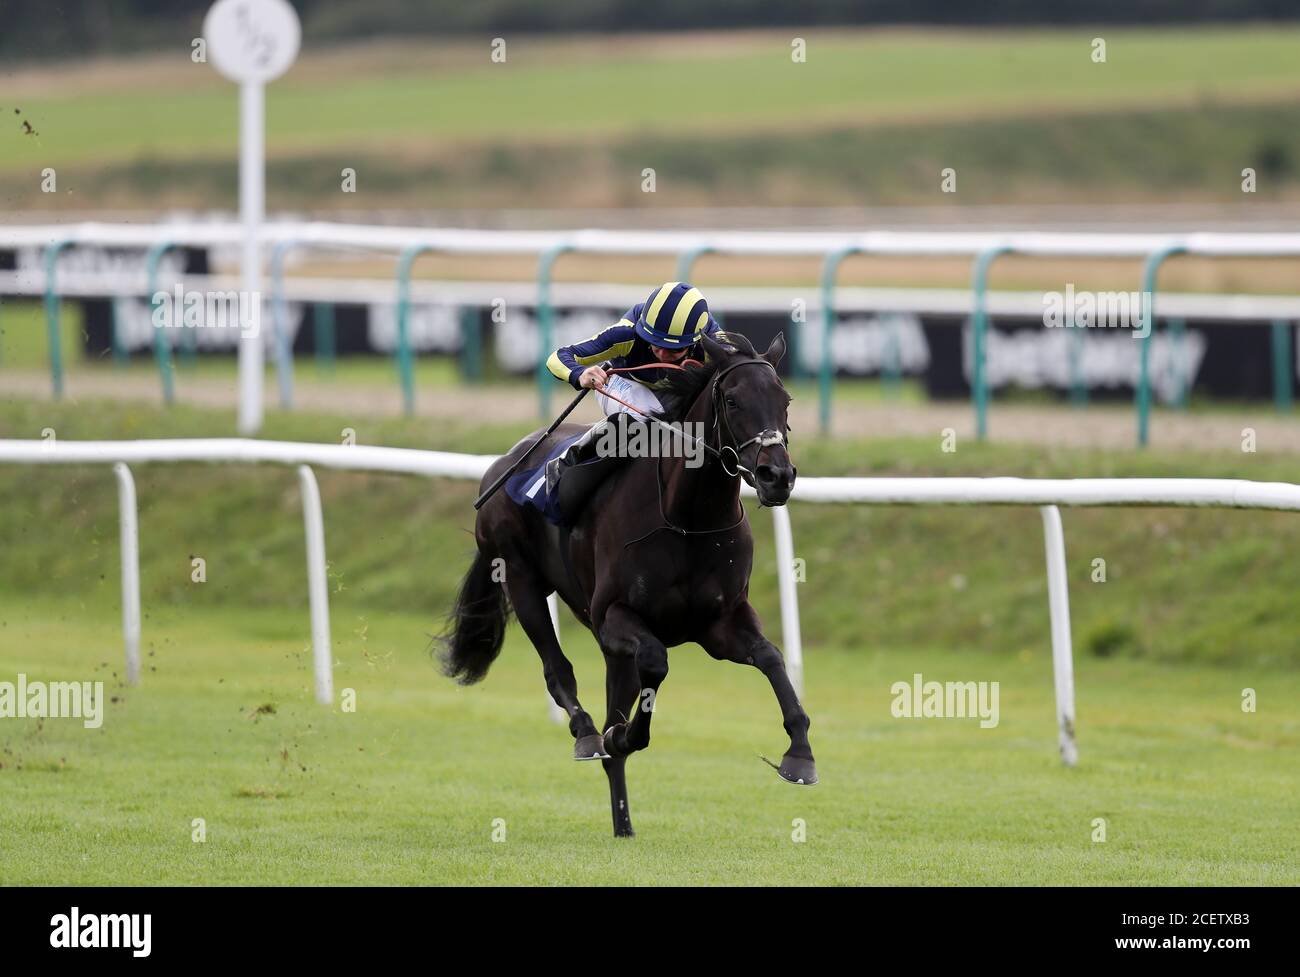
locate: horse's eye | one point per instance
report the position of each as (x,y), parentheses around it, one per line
(731,402)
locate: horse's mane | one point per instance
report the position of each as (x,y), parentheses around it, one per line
(684,386)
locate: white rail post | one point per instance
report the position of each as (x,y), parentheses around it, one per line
(790,635)
(1058,599)
(130,546)
(252,44)
(558,715)
(317,586)
(252,177)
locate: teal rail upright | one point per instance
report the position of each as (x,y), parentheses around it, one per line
(322,317)
(1282,366)
(187,339)
(830,268)
(686,266)
(686,261)
(161,341)
(115,342)
(979,337)
(546,325)
(1178,362)
(1078,385)
(471,344)
(52,308)
(892,368)
(795,338)
(405,357)
(1153,263)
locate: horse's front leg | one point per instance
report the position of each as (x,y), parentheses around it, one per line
(739,638)
(623,633)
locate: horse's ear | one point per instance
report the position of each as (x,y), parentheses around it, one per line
(776,350)
(715,349)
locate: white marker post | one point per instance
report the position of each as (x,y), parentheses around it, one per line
(252,42)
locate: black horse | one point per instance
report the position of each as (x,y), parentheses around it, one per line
(661,555)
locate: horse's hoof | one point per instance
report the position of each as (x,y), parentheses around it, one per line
(624,832)
(797,770)
(590,747)
(611,740)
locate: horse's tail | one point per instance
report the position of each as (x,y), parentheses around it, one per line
(476,626)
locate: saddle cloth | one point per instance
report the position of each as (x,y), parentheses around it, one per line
(564,502)
(528,488)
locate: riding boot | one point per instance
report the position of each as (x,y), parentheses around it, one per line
(584,449)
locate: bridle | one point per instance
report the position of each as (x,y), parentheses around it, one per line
(721,420)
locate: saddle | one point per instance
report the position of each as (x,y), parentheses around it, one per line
(564,483)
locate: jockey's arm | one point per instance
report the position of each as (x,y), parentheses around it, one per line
(570,362)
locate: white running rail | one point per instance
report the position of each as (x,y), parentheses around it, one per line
(200,233)
(1046,494)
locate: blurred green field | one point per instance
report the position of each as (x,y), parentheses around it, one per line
(869,112)
(602,87)
(1198,606)
(408,789)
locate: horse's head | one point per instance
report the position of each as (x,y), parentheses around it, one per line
(750,408)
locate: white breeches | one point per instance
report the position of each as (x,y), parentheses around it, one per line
(637,394)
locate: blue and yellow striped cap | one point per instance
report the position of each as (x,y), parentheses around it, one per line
(674,316)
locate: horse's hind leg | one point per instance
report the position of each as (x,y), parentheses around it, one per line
(620,698)
(528,598)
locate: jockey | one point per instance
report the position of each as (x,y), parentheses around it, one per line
(662,329)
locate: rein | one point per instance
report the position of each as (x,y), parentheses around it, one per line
(721,419)
(638,412)
(763,438)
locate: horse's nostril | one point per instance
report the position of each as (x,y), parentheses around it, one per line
(765,473)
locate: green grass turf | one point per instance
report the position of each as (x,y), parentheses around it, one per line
(1198,606)
(24,336)
(408,788)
